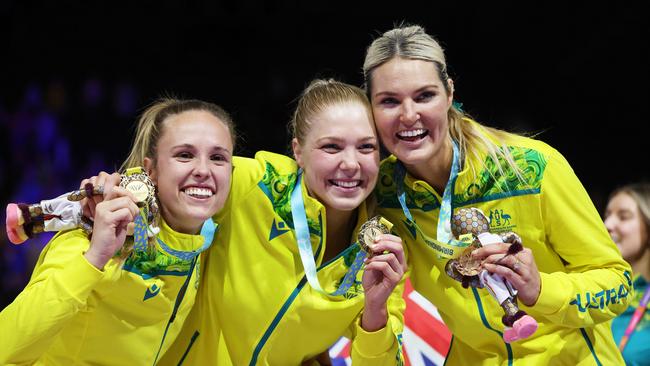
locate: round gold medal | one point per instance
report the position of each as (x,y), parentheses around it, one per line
(369,232)
(141,186)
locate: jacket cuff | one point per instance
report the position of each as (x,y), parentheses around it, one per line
(552,295)
(372,344)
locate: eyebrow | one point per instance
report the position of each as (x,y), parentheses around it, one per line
(334,138)
(190,146)
(390,93)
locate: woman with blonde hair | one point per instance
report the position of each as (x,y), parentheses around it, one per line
(569,275)
(114,299)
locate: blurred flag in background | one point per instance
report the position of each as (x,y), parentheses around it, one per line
(425,338)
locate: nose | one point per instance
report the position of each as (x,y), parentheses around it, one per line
(609,223)
(201,167)
(409,113)
(349,160)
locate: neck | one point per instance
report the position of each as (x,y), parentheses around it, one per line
(340,225)
(641,266)
(183,227)
(435,171)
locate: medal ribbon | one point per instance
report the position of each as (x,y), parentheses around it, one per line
(306,252)
(140,236)
(207,232)
(140,232)
(445,245)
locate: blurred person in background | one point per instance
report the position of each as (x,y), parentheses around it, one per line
(627,218)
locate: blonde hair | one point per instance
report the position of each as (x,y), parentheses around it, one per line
(149,128)
(412,42)
(319,95)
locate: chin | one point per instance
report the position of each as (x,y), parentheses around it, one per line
(198,214)
(413,157)
(345,204)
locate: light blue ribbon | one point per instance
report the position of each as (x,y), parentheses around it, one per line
(306,252)
(443,233)
(207,232)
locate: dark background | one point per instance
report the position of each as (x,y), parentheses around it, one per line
(74,78)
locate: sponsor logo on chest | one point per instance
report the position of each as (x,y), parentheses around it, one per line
(501,221)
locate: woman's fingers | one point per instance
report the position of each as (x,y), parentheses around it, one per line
(491,249)
(521,271)
(116,204)
(102,182)
(117,191)
(388,243)
(390,259)
(108,181)
(386,270)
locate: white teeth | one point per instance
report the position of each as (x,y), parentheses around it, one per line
(411,133)
(346,184)
(198,192)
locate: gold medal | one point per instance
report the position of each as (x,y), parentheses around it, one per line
(370,230)
(140,185)
(466,264)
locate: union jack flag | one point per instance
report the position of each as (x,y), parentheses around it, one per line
(425,338)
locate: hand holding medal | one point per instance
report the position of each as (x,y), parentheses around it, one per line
(127,209)
(471,268)
(384,269)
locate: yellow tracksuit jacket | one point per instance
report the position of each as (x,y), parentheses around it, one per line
(584,280)
(255,306)
(71,313)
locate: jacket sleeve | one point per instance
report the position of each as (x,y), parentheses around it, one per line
(61,283)
(382,347)
(596,283)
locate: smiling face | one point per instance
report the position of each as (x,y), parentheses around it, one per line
(625,225)
(410,105)
(192,169)
(339,156)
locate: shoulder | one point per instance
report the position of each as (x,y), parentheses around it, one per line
(539,154)
(263,162)
(521,165)
(76,237)
(387,170)
(279,172)
(63,247)
(279,163)
(386,188)
(266,178)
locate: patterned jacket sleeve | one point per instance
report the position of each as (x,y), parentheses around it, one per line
(59,288)
(595,285)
